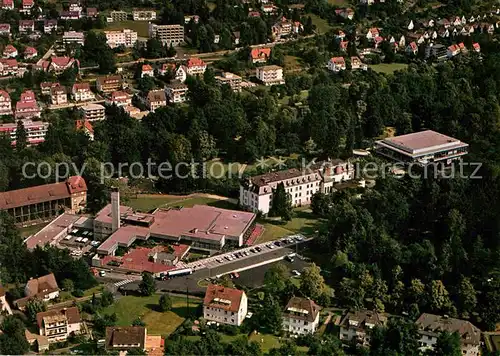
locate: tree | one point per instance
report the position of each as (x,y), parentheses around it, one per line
(270,314)
(281,205)
(466,296)
(275,278)
(138,322)
(136,351)
(21,136)
(107,298)
(35,306)
(68,285)
(312,283)
(13,340)
(439,297)
(148,284)
(447,345)
(165,303)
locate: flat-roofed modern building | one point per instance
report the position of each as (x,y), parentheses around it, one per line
(227,78)
(167,34)
(422,147)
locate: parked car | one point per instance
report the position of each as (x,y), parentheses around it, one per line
(295,272)
(258,249)
(102,273)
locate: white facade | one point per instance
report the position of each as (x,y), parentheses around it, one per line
(83,94)
(176,93)
(222,316)
(167,34)
(300,326)
(144,15)
(126,37)
(93,112)
(336,64)
(73,37)
(270,75)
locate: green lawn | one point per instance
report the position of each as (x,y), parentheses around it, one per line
(272,232)
(189,202)
(130,307)
(149,202)
(141,27)
(322,25)
(304,94)
(339,2)
(268,342)
(30,230)
(388,68)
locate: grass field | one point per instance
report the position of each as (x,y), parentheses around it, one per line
(388,68)
(141,27)
(322,25)
(150,202)
(268,342)
(30,230)
(130,307)
(339,2)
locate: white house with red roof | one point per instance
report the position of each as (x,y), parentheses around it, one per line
(225,305)
(357,64)
(476,47)
(336,64)
(412,48)
(60,64)
(301,316)
(8,66)
(58,95)
(166,67)
(372,33)
(181,73)
(86,126)
(196,66)
(27,107)
(120,98)
(260,55)
(81,92)
(4,29)
(26,26)
(452,51)
(8,4)
(5,103)
(147,70)
(26,6)
(10,51)
(30,52)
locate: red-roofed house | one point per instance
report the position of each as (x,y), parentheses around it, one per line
(27,110)
(476,47)
(26,26)
(10,51)
(49,26)
(81,92)
(36,134)
(301,316)
(8,66)
(5,104)
(26,6)
(85,126)
(92,12)
(28,96)
(260,55)
(30,52)
(336,64)
(147,70)
(121,98)
(225,305)
(372,33)
(58,95)
(8,4)
(412,48)
(4,29)
(462,47)
(452,51)
(378,40)
(58,324)
(60,64)
(166,67)
(343,45)
(357,64)
(196,66)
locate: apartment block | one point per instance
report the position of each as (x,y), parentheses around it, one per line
(58,95)
(156,99)
(227,78)
(144,15)
(70,37)
(5,103)
(118,16)
(93,112)
(301,316)
(36,131)
(176,92)
(58,324)
(81,92)
(270,75)
(125,37)
(167,34)
(109,84)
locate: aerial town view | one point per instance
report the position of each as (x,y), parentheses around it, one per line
(250,177)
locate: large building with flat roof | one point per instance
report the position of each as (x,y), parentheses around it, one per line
(422,147)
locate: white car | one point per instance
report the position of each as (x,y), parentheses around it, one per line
(102,273)
(271,246)
(79,239)
(85,240)
(295,272)
(246,253)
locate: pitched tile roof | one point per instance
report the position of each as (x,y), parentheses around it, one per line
(260,52)
(81,86)
(9,49)
(41,286)
(71,314)
(431,324)
(157,95)
(80,124)
(125,337)
(195,62)
(301,308)
(223,298)
(30,50)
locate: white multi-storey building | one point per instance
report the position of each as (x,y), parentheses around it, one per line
(143,15)
(176,92)
(93,112)
(58,95)
(125,37)
(233,80)
(270,75)
(82,92)
(73,37)
(357,325)
(256,192)
(5,103)
(225,305)
(301,316)
(196,66)
(58,324)
(35,130)
(167,34)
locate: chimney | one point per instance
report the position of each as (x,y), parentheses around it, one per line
(115,209)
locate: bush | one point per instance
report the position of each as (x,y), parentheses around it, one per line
(78,293)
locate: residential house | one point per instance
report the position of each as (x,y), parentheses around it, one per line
(70,37)
(435,50)
(402,41)
(30,52)
(7,4)
(282,28)
(26,26)
(269,9)
(443,32)
(86,127)
(75,6)
(452,51)
(9,67)
(5,103)
(378,40)
(260,55)
(194,18)
(256,192)
(357,64)
(125,37)
(176,92)
(167,67)
(456,21)
(58,95)
(46,87)
(357,325)
(430,326)
(343,45)
(411,25)
(70,15)
(147,70)
(270,75)
(462,47)
(123,338)
(476,47)
(301,316)
(4,305)
(60,64)
(444,22)
(10,51)
(58,324)
(27,107)
(225,305)
(255,13)
(181,73)
(44,288)
(336,64)
(121,98)
(196,66)
(36,131)
(156,99)
(372,33)
(346,13)
(92,12)
(49,26)
(4,29)
(412,48)
(233,80)
(81,92)
(340,35)
(109,84)
(26,6)
(93,112)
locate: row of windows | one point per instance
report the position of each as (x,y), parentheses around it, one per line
(217,317)
(217,309)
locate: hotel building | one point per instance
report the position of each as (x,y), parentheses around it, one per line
(270,75)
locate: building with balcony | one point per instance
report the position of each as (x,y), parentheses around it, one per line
(81,92)
(49,26)
(26,26)
(10,51)
(301,316)
(5,103)
(167,34)
(4,29)
(233,80)
(125,37)
(147,70)
(9,66)
(30,52)
(270,75)
(156,99)
(196,66)
(357,326)
(109,84)
(8,4)
(73,37)
(118,16)
(422,148)
(336,64)
(120,98)
(143,15)
(225,305)
(260,55)
(176,92)
(58,324)
(27,107)
(58,95)
(93,112)
(35,131)
(26,6)
(60,64)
